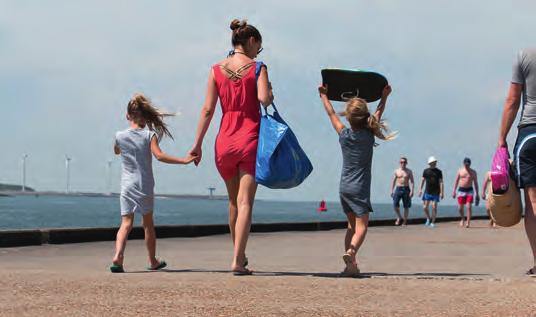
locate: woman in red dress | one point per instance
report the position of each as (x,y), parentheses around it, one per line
(235,83)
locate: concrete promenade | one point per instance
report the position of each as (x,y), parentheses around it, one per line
(412,271)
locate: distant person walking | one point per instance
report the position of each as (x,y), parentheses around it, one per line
(357,143)
(234,81)
(523,83)
(463,189)
(487,182)
(135,145)
(433,193)
(402,188)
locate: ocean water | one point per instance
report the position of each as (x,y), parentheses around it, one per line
(30,212)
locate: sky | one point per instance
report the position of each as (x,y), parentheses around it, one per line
(68,69)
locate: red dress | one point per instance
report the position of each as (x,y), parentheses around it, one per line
(236,143)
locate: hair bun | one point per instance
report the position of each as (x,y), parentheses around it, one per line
(236,24)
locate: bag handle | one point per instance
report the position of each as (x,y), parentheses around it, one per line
(266,109)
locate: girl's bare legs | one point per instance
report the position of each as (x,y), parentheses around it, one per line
(348,238)
(359,226)
(150,238)
(246,197)
(121,238)
(232,192)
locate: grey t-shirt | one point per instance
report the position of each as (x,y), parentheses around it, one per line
(524,72)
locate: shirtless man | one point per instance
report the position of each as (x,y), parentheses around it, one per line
(401,189)
(463,188)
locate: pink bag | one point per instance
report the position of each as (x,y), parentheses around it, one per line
(500,177)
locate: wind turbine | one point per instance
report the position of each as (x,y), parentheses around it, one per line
(68,170)
(24,157)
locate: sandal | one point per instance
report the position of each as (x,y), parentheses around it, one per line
(161,264)
(531,272)
(351,268)
(117,268)
(242,272)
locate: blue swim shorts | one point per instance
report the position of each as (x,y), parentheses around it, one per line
(430,197)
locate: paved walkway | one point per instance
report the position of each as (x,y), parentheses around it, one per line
(412,271)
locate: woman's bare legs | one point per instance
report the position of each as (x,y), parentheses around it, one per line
(232,192)
(122,237)
(245,198)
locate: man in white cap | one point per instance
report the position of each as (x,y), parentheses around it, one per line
(434,190)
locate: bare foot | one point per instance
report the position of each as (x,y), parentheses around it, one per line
(397,222)
(467,225)
(462,223)
(118,259)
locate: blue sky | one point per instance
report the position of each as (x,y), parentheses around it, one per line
(68,68)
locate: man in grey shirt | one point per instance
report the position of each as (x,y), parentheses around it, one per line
(523,86)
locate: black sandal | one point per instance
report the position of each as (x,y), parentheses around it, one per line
(531,272)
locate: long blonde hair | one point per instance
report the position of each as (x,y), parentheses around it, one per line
(359,117)
(143,112)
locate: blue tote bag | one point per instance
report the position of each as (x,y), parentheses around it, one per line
(281,162)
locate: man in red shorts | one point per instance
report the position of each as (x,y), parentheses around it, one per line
(463,188)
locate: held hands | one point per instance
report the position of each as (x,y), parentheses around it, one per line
(189,158)
(411,194)
(197,154)
(420,193)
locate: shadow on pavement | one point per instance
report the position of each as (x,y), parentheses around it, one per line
(423,275)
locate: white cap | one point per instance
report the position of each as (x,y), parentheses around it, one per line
(432,159)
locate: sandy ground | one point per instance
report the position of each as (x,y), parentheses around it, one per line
(413,271)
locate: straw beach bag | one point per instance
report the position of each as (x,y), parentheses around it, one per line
(505,209)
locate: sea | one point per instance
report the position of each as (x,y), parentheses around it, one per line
(49,211)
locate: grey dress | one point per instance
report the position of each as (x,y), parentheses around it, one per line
(137,182)
(354,189)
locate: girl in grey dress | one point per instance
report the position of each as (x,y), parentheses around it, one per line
(357,143)
(137,145)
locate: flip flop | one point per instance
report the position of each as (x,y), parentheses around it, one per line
(531,272)
(161,264)
(243,273)
(246,262)
(116,268)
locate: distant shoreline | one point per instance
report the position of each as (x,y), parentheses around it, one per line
(89,194)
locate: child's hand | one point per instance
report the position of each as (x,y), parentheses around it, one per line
(323,90)
(386,91)
(190,158)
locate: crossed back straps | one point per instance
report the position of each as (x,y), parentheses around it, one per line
(237,74)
